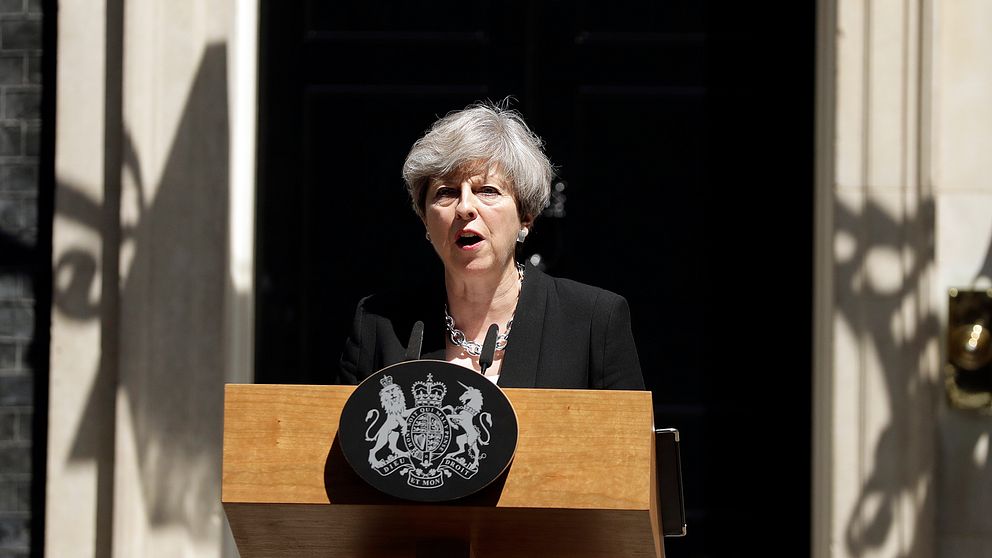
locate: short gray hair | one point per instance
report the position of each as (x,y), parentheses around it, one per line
(486,134)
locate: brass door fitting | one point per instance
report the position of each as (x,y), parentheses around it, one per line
(968,370)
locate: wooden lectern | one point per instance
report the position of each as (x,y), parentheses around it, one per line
(581,484)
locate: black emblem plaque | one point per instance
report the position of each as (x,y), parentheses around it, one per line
(428,431)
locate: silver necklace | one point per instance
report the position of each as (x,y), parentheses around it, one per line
(471,347)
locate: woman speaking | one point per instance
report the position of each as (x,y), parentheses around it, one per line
(478,179)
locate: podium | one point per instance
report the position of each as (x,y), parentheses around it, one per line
(581,484)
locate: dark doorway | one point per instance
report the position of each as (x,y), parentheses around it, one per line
(684,135)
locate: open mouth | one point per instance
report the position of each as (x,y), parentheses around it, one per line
(467,240)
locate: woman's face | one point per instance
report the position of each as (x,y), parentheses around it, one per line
(472,220)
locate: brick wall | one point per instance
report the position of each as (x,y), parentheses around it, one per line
(20,125)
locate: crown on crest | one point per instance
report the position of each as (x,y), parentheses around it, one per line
(429,393)
(386,381)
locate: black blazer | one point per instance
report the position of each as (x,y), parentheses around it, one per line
(564,335)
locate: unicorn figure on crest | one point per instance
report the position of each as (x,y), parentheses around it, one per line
(462,417)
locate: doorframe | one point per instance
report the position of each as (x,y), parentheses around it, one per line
(822,327)
(240,285)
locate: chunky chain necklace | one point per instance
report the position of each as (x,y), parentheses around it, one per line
(471,347)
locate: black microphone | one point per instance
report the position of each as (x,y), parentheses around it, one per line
(488,348)
(416,341)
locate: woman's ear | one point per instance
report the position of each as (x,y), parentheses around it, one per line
(525,225)
(427,232)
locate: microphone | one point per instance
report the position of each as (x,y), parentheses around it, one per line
(416,341)
(488,348)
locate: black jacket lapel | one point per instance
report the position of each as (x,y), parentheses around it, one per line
(435,335)
(523,348)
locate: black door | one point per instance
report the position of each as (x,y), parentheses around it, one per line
(683,132)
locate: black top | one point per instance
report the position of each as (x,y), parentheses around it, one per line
(565,335)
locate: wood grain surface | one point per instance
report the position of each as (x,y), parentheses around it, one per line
(580,483)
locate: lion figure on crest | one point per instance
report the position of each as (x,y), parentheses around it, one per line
(393,402)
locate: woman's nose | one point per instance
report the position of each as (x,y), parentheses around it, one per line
(466,205)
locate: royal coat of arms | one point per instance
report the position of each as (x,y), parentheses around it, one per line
(418,430)
(416,442)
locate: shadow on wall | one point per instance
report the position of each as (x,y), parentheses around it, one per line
(984,274)
(882,289)
(161,351)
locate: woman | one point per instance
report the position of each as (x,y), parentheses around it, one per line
(478,179)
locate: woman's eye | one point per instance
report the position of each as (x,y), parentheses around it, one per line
(443,193)
(489,192)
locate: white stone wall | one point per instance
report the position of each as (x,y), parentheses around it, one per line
(174,204)
(904,212)
(142,339)
(81,386)
(876,357)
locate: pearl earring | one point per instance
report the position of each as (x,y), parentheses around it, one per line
(522,235)
(428,235)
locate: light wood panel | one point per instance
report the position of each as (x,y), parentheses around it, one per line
(580,483)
